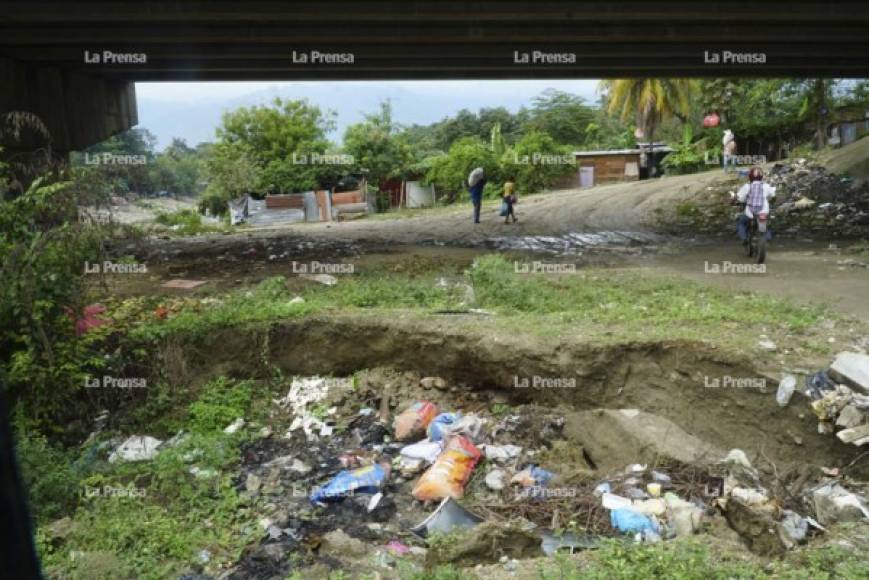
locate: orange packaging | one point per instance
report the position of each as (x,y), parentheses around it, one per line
(450,472)
(413,421)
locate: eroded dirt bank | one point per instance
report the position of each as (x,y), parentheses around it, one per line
(724,400)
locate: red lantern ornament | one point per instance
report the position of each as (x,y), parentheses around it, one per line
(711,120)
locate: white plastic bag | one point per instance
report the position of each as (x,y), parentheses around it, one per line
(785,390)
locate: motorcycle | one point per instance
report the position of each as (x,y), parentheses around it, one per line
(758,226)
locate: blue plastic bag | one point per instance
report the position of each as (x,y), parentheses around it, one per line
(347,483)
(627,520)
(440,425)
(504,208)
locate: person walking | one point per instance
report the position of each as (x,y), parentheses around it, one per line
(509,200)
(728,145)
(476,183)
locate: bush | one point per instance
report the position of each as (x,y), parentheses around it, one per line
(51,483)
(220,403)
(449,172)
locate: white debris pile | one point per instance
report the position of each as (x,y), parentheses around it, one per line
(136,448)
(304,394)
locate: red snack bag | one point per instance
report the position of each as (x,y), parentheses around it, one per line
(450,472)
(412,423)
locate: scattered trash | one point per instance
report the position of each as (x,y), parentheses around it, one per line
(532,476)
(89,319)
(346,483)
(500,453)
(553,543)
(325,279)
(374,501)
(414,420)
(496,479)
(297,300)
(613,502)
(440,425)
(450,472)
(654,489)
(136,448)
(627,520)
(448,517)
(794,528)
(785,390)
(397,548)
(234,426)
(425,450)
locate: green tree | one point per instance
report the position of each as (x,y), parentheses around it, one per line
(449,172)
(650,101)
(537,161)
(561,115)
(377,146)
(280,140)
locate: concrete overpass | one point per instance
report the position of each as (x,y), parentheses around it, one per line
(75,63)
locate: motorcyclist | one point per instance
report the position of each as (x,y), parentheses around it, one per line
(755,195)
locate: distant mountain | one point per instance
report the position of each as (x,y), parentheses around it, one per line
(420,102)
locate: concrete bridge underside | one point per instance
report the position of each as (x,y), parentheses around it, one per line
(43,68)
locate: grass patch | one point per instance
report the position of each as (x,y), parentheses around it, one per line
(156,517)
(185,222)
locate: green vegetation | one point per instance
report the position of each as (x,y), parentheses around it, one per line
(184,222)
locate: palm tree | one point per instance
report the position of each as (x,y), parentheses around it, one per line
(650,101)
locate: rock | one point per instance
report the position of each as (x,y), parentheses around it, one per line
(433,383)
(496,479)
(614,439)
(851,368)
(252,483)
(234,426)
(487,543)
(834,503)
(849,417)
(767,344)
(858,435)
(58,530)
(757,526)
(339,545)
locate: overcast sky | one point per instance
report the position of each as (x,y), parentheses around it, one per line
(192,110)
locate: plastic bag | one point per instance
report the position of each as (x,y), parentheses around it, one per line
(347,483)
(627,520)
(504,209)
(414,420)
(475,176)
(449,474)
(440,425)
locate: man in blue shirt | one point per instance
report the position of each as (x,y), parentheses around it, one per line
(477,195)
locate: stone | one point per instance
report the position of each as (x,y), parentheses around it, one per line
(252,483)
(757,527)
(852,369)
(850,417)
(340,545)
(433,383)
(834,503)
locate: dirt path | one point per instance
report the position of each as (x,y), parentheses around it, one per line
(805,272)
